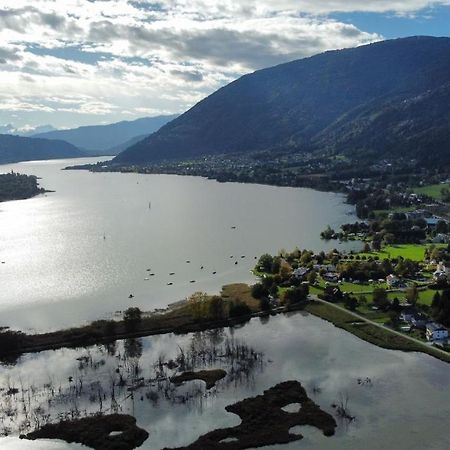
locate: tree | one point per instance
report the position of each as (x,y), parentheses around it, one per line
(132,316)
(412,294)
(380,298)
(264,304)
(239,309)
(198,303)
(216,307)
(312,277)
(296,295)
(265,263)
(436,302)
(350,302)
(259,291)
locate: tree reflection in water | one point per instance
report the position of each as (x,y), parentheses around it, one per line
(112,378)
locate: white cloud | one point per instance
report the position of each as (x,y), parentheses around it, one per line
(135,57)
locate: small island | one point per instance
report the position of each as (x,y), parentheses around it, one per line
(210,377)
(115,431)
(265,420)
(16,186)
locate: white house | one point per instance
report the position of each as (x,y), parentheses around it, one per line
(436,332)
(442,272)
(392,280)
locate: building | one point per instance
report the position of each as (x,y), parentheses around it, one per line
(441,238)
(300,272)
(392,281)
(436,332)
(442,272)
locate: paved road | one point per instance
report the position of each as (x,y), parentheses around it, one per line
(365,319)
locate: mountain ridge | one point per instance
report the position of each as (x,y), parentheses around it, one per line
(15,148)
(106,138)
(300,105)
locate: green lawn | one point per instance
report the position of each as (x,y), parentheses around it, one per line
(415,252)
(426,296)
(399,209)
(432,190)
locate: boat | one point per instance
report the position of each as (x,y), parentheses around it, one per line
(172,273)
(169,284)
(235,262)
(131,296)
(192,281)
(187,261)
(201,267)
(146,278)
(214,273)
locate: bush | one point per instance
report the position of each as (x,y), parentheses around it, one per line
(259,291)
(132,316)
(239,309)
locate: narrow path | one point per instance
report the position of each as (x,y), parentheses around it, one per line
(371,322)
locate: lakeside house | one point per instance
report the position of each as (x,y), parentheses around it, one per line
(442,272)
(325,267)
(436,332)
(393,281)
(300,272)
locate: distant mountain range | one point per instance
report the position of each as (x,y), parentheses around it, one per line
(108,139)
(10,129)
(386,99)
(19,148)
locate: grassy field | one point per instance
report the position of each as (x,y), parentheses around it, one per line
(400,209)
(240,292)
(367,332)
(415,252)
(432,190)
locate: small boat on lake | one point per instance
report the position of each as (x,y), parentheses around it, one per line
(172,273)
(192,281)
(131,296)
(214,273)
(169,284)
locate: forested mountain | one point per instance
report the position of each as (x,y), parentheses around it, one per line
(387,98)
(108,138)
(18,148)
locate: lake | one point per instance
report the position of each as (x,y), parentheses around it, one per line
(77,254)
(405,405)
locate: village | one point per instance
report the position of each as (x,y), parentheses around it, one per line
(404,287)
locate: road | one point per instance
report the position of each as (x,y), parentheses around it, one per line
(371,322)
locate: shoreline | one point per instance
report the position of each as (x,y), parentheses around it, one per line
(180,321)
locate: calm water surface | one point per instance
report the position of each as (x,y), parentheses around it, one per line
(78,253)
(405,406)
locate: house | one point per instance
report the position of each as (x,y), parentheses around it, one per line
(392,281)
(300,272)
(436,332)
(432,221)
(442,272)
(419,321)
(330,276)
(407,314)
(326,267)
(441,238)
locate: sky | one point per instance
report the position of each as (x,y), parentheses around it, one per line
(80,62)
